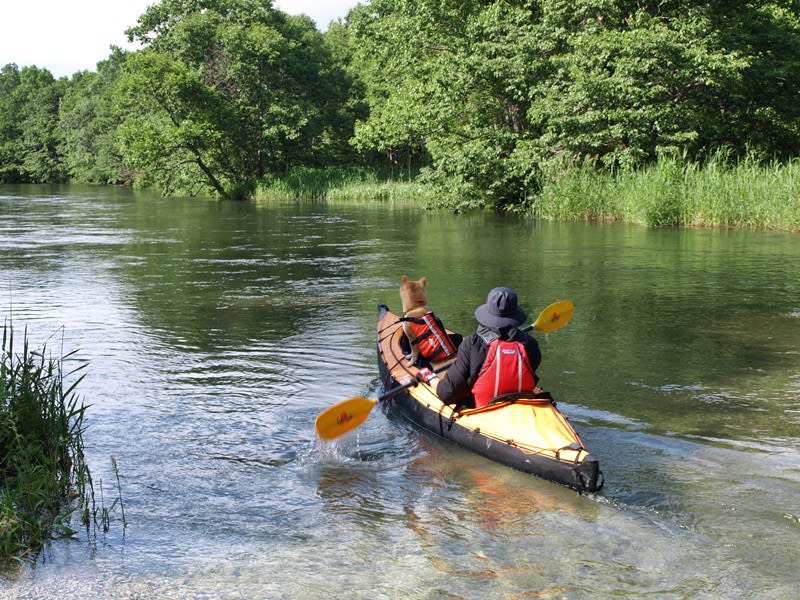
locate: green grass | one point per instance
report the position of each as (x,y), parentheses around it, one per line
(343,185)
(43,475)
(407,192)
(746,194)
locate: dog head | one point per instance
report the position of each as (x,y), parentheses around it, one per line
(412,293)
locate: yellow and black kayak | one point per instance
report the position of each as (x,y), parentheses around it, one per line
(523,431)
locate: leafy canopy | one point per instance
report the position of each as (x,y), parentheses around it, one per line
(226,92)
(498,91)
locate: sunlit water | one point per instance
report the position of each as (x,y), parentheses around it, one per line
(215,333)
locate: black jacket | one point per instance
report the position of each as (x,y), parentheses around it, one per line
(456,385)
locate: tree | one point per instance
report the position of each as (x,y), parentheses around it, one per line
(10,132)
(762,111)
(225,92)
(497,91)
(88,127)
(29,100)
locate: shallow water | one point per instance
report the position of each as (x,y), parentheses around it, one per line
(216,332)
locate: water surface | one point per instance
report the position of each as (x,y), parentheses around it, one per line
(216,332)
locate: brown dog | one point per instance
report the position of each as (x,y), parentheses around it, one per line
(425,333)
(413,295)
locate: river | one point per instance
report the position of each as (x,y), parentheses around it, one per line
(215,333)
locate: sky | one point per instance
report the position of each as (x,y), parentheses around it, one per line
(66,36)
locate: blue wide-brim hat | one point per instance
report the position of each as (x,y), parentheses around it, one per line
(501,309)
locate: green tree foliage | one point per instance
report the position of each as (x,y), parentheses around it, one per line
(498,91)
(226,92)
(29,99)
(488,98)
(88,126)
(9,125)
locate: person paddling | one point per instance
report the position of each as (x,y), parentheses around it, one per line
(497,359)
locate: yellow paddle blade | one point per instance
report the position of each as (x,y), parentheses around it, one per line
(344,416)
(554,316)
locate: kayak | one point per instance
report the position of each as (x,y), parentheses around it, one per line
(524,431)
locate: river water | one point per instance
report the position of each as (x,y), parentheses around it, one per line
(216,332)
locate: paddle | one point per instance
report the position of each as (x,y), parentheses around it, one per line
(553,317)
(349,414)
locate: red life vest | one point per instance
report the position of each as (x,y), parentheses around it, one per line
(505,370)
(430,336)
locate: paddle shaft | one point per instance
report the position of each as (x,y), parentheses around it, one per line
(394,391)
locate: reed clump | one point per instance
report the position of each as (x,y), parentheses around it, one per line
(745,193)
(303,183)
(43,475)
(355,184)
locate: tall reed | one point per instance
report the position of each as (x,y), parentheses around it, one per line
(344,185)
(747,193)
(42,466)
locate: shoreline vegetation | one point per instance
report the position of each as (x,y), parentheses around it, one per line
(44,478)
(746,194)
(659,113)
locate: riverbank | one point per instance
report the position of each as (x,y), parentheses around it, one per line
(749,194)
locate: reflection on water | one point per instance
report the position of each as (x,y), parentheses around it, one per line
(216,332)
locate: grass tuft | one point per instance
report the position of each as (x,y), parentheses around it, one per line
(42,467)
(748,193)
(343,185)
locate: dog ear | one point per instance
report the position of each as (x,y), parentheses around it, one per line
(423,281)
(403,279)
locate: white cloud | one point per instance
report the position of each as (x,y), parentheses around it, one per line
(68,36)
